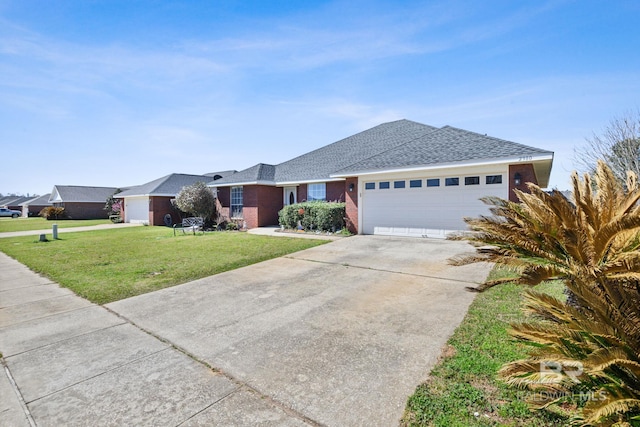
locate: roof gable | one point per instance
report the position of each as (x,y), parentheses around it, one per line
(77,193)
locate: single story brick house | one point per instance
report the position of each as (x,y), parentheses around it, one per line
(34,205)
(13,202)
(399,178)
(150,203)
(81,202)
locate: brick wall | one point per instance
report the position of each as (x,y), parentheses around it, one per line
(159,207)
(302,193)
(250,205)
(222,202)
(270,201)
(527,174)
(335,191)
(351,201)
(78,210)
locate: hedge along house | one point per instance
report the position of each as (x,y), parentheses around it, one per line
(80,202)
(398,178)
(150,203)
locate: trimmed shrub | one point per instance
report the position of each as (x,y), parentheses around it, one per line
(323,216)
(52,212)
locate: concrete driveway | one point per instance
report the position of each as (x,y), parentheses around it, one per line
(336,335)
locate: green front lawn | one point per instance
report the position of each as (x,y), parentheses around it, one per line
(108,265)
(37,223)
(463,389)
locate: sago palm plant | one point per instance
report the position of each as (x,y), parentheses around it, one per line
(588,353)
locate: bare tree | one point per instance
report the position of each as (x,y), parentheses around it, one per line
(618,146)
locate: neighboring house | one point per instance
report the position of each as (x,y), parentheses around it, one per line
(13,202)
(81,202)
(398,178)
(150,203)
(34,205)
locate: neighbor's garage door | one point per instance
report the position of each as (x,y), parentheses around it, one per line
(136,209)
(430,207)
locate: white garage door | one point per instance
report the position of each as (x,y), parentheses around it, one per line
(136,210)
(428,207)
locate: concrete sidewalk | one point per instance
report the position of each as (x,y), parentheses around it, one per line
(48,231)
(69,362)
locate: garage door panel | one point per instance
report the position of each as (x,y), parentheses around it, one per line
(136,210)
(433,211)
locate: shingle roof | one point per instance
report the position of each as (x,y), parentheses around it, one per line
(394,145)
(221,174)
(261,172)
(37,201)
(169,185)
(13,201)
(445,145)
(321,163)
(77,193)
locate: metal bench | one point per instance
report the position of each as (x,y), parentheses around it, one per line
(192,224)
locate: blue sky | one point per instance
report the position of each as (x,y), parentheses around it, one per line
(118,93)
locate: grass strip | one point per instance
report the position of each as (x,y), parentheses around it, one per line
(463,388)
(109,265)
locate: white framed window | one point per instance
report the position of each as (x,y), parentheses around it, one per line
(236,202)
(317,191)
(494,179)
(471,180)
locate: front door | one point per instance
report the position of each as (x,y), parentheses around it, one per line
(290,195)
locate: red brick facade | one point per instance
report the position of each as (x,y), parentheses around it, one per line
(261,203)
(335,191)
(81,210)
(302,193)
(527,174)
(351,201)
(159,207)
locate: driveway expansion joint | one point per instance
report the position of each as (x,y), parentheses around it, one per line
(114,368)
(240,384)
(383,270)
(62,340)
(16,390)
(31,319)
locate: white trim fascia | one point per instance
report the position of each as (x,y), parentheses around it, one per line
(238,184)
(117,196)
(470,163)
(80,201)
(309,181)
